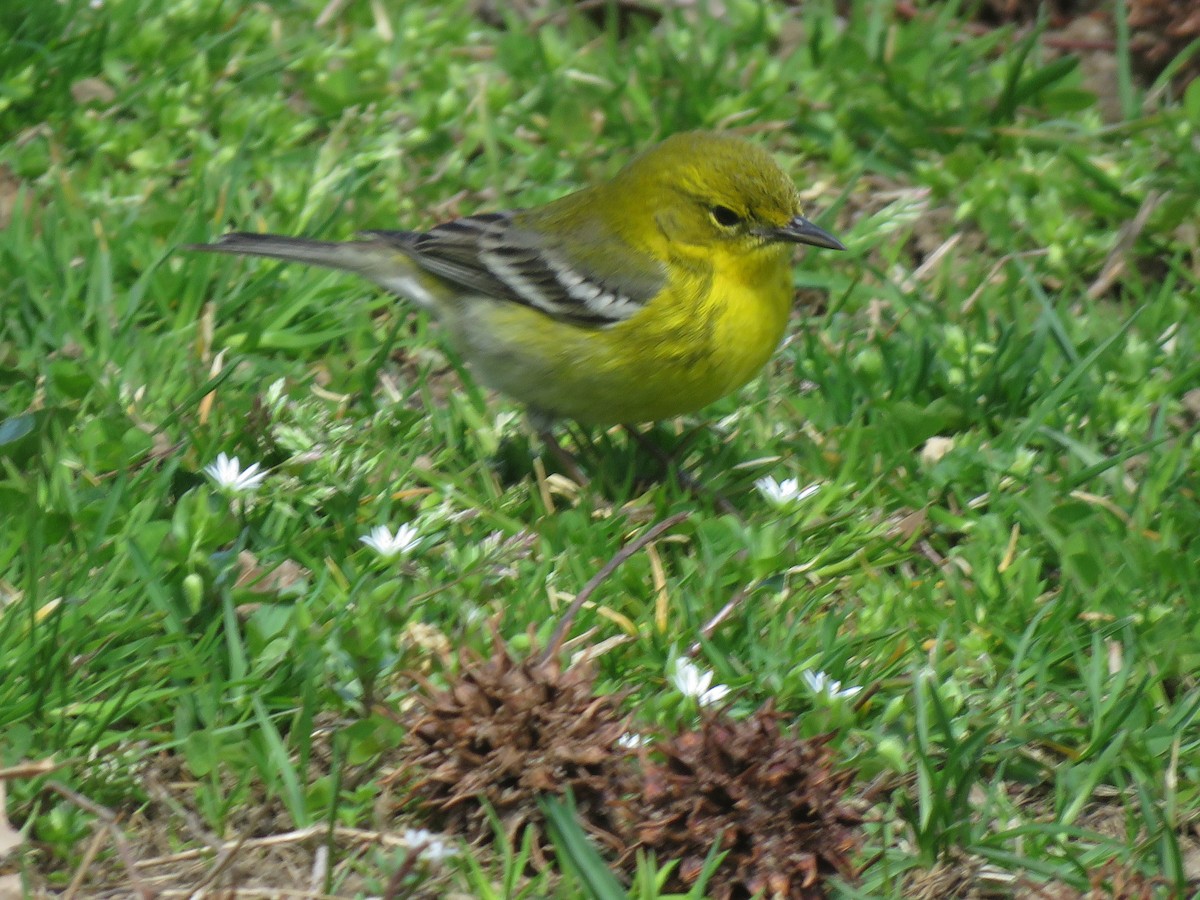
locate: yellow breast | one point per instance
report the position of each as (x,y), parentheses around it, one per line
(704,336)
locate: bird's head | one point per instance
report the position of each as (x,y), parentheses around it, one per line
(712,190)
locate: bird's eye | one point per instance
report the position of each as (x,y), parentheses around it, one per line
(725,217)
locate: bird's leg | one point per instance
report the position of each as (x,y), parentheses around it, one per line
(682,478)
(543,427)
(564,458)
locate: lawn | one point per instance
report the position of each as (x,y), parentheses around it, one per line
(954,526)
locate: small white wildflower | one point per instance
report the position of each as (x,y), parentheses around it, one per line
(631,740)
(692,681)
(785,493)
(227,472)
(431,847)
(387,545)
(821,683)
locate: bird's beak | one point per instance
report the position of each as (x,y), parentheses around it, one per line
(802,231)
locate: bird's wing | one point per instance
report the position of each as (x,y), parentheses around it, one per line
(493,255)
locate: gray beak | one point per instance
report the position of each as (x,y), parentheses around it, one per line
(802,231)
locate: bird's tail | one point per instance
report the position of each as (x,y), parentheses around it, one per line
(383,261)
(353,256)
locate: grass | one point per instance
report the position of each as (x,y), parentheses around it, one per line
(995,390)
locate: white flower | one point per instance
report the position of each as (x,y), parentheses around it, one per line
(821,683)
(785,493)
(387,545)
(631,740)
(692,681)
(432,847)
(227,473)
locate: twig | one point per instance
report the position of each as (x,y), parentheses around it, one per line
(568,462)
(722,614)
(110,820)
(564,625)
(320,868)
(865,697)
(89,855)
(224,860)
(32,769)
(1114,265)
(359,835)
(396,882)
(249,893)
(159,792)
(684,479)
(969,303)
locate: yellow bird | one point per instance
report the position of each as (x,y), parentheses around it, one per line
(646,297)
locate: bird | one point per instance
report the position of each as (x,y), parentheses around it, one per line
(639,299)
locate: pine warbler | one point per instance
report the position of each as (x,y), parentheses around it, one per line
(643,298)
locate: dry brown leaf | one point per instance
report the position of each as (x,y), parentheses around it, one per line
(263,580)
